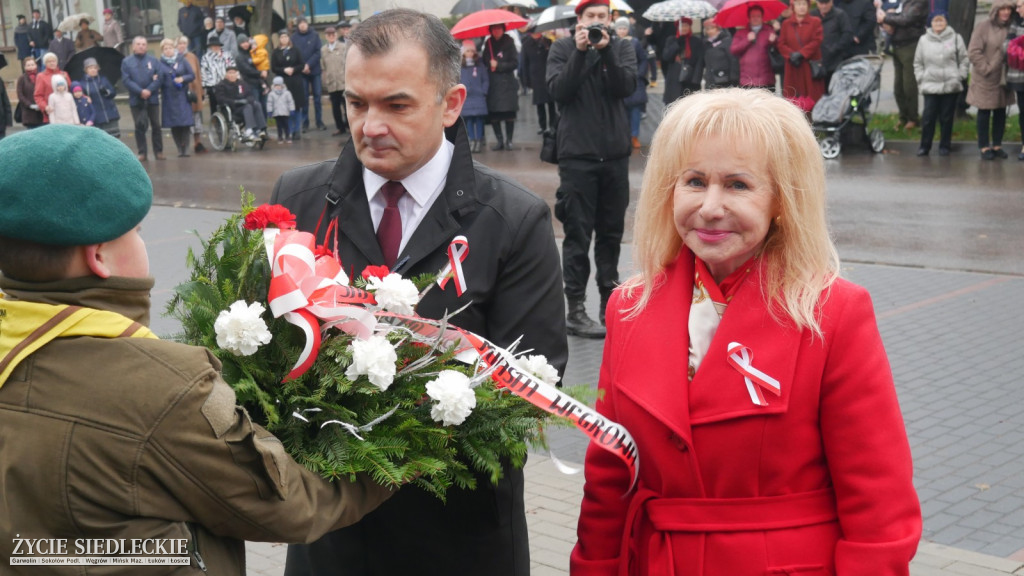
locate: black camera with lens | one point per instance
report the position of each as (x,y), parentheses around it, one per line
(595,33)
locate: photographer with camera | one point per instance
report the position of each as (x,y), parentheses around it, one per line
(589,75)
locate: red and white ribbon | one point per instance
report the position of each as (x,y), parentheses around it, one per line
(457,252)
(741,358)
(508,375)
(304,288)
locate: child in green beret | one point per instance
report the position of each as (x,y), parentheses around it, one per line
(109,431)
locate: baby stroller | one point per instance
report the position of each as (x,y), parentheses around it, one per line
(849,96)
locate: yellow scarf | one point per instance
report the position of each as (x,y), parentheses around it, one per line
(28,326)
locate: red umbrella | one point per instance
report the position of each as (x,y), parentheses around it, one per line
(478,24)
(734,13)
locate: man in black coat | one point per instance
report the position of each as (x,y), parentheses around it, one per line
(861,14)
(39,34)
(837,39)
(590,81)
(408,169)
(190,23)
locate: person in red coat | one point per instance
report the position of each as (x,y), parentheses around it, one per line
(750,45)
(778,447)
(800,42)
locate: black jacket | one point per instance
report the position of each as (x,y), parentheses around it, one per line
(41,35)
(247,70)
(721,68)
(861,14)
(234,93)
(514,282)
(837,39)
(675,83)
(503,94)
(590,87)
(909,23)
(535,67)
(281,59)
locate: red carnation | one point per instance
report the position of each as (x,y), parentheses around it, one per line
(270,214)
(375,272)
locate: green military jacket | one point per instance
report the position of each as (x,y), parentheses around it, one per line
(140,438)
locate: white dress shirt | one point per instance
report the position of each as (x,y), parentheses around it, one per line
(422,186)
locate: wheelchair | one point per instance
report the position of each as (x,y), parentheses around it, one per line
(227,132)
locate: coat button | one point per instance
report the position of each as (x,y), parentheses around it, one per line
(678,442)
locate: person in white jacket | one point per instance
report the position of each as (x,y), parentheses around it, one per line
(940,67)
(62,103)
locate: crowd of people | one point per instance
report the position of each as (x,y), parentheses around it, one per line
(778,447)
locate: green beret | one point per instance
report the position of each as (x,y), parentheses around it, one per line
(66,185)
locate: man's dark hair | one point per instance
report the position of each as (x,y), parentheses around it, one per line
(379,33)
(33,262)
(36,11)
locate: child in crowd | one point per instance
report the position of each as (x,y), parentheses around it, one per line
(61,107)
(280,105)
(477,82)
(86,112)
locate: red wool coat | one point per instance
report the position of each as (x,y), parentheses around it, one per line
(817,482)
(804,37)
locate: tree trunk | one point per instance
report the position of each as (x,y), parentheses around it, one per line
(262,17)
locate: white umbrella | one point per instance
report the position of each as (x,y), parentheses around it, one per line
(70,23)
(528,4)
(672,10)
(553,18)
(619,5)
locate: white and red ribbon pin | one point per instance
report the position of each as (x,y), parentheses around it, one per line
(457,252)
(741,358)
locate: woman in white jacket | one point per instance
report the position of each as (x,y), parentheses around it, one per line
(940,66)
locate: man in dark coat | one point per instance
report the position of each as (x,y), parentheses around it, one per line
(838,36)
(403,188)
(534,74)
(190,23)
(63,47)
(590,82)
(21,39)
(140,74)
(861,14)
(307,42)
(39,34)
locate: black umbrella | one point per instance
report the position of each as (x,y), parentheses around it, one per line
(109,60)
(244,11)
(470,6)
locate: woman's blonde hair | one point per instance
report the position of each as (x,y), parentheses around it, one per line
(168,42)
(799,260)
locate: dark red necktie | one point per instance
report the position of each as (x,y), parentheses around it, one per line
(389,232)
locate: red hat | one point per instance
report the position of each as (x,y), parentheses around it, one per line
(584,4)
(108,11)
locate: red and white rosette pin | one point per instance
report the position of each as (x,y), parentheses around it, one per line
(457,252)
(741,358)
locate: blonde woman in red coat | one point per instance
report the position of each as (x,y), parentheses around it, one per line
(775,444)
(800,42)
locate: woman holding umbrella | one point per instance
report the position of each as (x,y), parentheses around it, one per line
(87,37)
(502,59)
(799,43)
(751,45)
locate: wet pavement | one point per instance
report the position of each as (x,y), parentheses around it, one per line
(937,241)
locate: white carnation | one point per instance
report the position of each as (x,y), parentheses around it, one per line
(240,329)
(374,357)
(454,399)
(537,364)
(394,293)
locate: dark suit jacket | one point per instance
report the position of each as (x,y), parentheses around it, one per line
(41,35)
(514,284)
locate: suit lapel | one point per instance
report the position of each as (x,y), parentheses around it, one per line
(656,350)
(351,208)
(718,391)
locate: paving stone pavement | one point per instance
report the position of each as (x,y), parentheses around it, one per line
(954,345)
